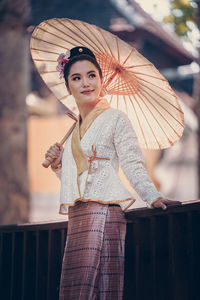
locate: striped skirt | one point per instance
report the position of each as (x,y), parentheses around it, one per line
(93,262)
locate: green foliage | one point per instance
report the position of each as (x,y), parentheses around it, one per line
(183,12)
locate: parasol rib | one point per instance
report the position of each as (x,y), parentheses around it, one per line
(147,121)
(145,142)
(85,35)
(138,66)
(93,34)
(111,78)
(111,98)
(83,39)
(123,88)
(154,85)
(127,58)
(125,103)
(45,51)
(106,43)
(66,34)
(117,101)
(139,73)
(48,60)
(163,118)
(175,97)
(156,120)
(165,108)
(64,97)
(118,56)
(48,72)
(48,42)
(56,84)
(53,34)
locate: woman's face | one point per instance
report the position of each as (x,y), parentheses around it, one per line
(84,82)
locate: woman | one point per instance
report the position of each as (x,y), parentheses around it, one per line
(92,194)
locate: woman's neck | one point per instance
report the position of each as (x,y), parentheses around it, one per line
(86,108)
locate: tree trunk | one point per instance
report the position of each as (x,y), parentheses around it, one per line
(14,86)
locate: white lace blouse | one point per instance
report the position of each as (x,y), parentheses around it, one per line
(112,134)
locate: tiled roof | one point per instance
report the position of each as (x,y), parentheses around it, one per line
(157,29)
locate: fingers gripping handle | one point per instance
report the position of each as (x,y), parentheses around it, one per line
(46,163)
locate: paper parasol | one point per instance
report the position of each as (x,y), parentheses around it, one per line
(131,83)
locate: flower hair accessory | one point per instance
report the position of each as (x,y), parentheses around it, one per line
(62,60)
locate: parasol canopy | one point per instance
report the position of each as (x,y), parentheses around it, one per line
(131,82)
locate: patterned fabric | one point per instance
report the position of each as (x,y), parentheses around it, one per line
(114,138)
(79,131)
(93,263)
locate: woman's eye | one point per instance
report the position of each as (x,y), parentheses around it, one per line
(92,75)
(76,78)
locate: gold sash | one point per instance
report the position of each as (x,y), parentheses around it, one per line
(80,129)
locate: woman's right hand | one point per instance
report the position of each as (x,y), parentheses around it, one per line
(54,155)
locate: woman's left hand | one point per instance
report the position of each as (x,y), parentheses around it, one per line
(163,203)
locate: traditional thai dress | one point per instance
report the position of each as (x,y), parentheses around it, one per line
(94,197)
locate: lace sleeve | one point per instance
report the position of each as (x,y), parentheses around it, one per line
(132,161)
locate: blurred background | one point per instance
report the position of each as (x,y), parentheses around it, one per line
(31,119)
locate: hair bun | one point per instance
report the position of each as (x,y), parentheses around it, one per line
(76,51)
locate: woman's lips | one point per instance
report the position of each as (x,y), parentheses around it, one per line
(87,92)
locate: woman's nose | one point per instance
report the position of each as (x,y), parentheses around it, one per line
(85,81)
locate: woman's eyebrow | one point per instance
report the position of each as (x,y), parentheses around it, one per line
(78,74)
(92,71)
(75,74)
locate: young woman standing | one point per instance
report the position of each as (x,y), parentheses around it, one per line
(92,193)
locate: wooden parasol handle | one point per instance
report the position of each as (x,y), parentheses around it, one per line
(46,163)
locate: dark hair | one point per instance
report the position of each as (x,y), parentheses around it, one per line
(80,54)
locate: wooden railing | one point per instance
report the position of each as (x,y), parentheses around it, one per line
(162,256)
